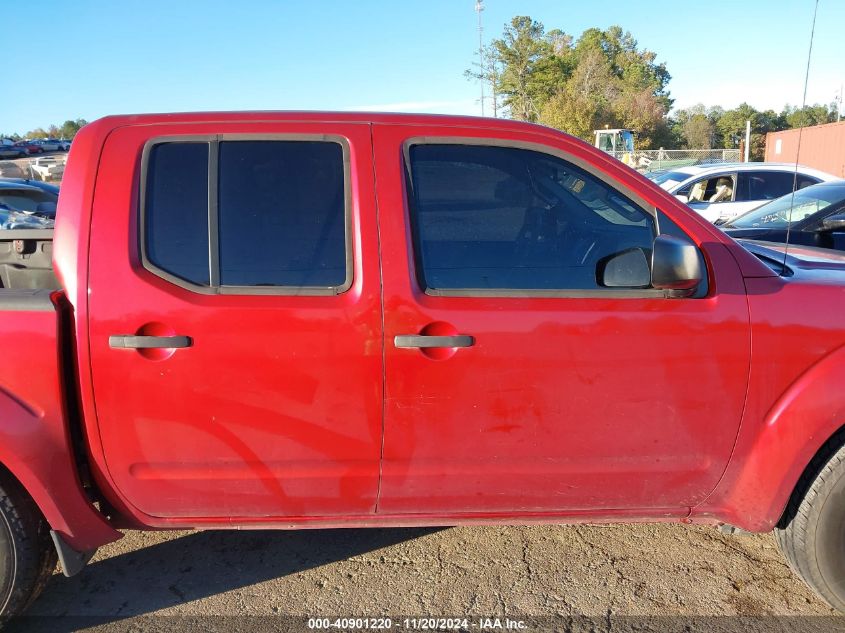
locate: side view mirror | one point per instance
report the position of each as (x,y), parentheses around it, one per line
(834,222)
(675,264)
(683,198)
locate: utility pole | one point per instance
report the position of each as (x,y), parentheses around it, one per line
(495,97)
(747,140)
(479,7)
(839,104)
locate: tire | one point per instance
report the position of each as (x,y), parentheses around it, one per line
(27,555)
(811,533)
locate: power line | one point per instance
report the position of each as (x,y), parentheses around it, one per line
(800,132)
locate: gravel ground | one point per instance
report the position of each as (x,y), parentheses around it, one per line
(618,577)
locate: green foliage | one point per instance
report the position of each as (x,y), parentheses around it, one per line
(66,130)
(689,130)
(38,132)
(699,132)
(810,115)
(695,127)
(604,79)
(526,59)
(69,128)
(600,79)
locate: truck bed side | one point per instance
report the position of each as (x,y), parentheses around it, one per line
(35,438)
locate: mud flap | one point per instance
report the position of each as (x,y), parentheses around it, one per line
(72,561)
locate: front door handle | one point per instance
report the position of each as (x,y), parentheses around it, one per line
(420,340)
(130,341)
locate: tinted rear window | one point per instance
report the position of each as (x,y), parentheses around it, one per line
(282,214)
(276,208)
(176,222)
(768,185)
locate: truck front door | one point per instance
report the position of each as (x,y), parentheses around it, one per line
(516,381)
(235,319)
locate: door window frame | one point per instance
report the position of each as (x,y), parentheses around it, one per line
(593,293)
(214,287)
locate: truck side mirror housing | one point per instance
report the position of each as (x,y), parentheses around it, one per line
(834,223)
(675,265)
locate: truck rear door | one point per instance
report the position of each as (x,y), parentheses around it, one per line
(235,319)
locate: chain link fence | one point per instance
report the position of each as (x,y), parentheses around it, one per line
(649,160)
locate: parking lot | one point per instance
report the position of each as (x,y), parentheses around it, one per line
(612,577)
(24,163)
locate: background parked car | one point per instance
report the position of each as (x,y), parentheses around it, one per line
(814,216)
(55,144)
(49,187)
(26,206)
(47,168)
(50,144)
(727,190)
(30,147)
(12,151)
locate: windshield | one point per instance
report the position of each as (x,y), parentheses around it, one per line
(27,209)
(776,214)
(668,179)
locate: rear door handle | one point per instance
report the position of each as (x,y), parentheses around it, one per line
(130,341)
(420,340)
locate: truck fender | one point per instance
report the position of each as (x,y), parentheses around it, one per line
(35,450)
(36,447)
(767,464)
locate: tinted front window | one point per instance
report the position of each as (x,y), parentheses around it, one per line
(505,218)
(713,190)
(176,210)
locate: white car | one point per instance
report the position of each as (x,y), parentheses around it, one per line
(723,191)
(48,168)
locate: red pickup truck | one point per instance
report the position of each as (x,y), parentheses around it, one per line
(303,320)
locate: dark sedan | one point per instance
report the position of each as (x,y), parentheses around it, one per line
(813,216)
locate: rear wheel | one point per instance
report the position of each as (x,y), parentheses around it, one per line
(811,534)
(27,556)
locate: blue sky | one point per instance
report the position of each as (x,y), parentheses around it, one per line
(88,58)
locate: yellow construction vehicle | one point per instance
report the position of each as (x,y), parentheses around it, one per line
(618,142)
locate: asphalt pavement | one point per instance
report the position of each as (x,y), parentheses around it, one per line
(599,578)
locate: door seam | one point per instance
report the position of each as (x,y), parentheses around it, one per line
(381,303)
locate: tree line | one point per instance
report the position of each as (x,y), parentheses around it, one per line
(603,78)
(66,130)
